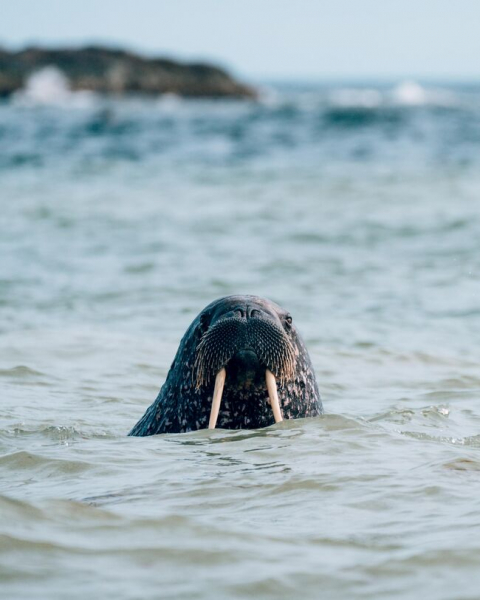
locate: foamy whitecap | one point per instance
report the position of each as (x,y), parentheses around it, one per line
(50,86)
(410,93)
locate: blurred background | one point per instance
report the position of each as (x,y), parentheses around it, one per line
(157,155)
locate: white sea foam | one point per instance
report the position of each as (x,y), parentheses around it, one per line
(406,93)
(410,93)
(50,86)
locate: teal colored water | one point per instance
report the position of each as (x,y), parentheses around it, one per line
(358,210)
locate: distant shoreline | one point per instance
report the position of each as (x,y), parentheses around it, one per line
(115,71)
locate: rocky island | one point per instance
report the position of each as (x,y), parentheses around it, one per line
(111,71)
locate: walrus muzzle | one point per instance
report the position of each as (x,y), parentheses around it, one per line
(232,335)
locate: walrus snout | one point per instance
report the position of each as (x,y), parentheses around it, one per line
(250,338)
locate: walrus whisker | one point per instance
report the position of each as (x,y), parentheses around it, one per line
(217,397)
(273,395)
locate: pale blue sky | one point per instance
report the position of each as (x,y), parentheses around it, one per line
(299,39)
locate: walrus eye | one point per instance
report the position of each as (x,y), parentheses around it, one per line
(288,321)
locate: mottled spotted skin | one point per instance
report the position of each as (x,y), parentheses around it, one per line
(182,406)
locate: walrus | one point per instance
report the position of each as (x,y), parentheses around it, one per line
(240,365)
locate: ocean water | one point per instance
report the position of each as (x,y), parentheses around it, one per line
(357,208)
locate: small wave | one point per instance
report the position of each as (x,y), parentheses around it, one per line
(55,510)
(63,435)
(21,372)
(27,461)
(473,441)
(443,439)
(463,464)
(57,433)
(16,510)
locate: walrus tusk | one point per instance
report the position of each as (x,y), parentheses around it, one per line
(217,397)
(272,394)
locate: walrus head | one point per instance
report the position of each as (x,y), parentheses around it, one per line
(247,340)
(240,364)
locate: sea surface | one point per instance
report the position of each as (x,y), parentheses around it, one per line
(357,208)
